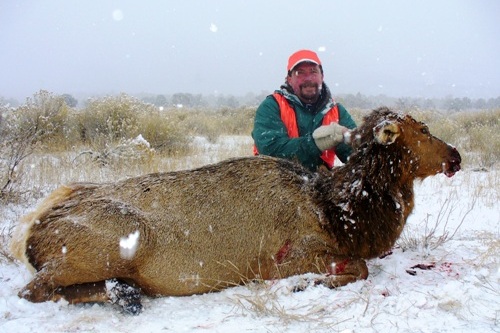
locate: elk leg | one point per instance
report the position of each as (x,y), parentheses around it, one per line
(45,287)
(114,291)
(39,289)
(118,292)
(92,292)
(42,289)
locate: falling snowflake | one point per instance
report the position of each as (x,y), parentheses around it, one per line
(117,15)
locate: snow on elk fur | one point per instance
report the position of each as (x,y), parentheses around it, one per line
(201,230)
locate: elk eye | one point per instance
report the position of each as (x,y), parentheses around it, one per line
(425,130)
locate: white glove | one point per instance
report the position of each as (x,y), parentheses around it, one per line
(328,136)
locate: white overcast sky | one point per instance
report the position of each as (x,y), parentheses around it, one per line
(428,48)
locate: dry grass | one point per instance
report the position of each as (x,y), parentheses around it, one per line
(436,231)
(42,172)
(5,236)
(474,133)
(263,300)
(489,252)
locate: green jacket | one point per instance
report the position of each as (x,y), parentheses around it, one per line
(271,137)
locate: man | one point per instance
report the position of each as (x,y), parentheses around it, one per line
(301,121)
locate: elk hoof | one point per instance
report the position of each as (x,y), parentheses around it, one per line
(344,272)
(125,296)
(133,308)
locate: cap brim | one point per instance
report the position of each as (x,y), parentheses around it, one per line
(303,60)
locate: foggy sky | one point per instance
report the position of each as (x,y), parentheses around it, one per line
(398,48)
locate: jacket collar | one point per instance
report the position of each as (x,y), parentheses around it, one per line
(323,105)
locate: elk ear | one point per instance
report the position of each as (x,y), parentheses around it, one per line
(386,132)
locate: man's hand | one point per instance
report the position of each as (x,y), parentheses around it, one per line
(328,136)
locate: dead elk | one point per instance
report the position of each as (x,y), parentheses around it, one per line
(220,225)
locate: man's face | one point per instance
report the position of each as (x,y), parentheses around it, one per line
(306,80)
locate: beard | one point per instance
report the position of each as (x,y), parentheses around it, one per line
(309,92)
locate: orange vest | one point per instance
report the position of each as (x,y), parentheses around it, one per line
(288,117)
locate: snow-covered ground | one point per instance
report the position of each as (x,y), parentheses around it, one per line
(442,277)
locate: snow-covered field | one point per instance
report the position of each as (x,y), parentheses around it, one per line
(442,277)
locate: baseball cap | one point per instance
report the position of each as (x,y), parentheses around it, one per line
(301,56)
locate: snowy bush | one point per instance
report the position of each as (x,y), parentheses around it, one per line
(24,129)
(109,119)
(163,132)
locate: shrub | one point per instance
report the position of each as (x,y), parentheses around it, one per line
(106,122)
(474,133)
(162,131)
(44,116)
(482,137)
(37,124)
(237,121)
(108,119)
(213,123)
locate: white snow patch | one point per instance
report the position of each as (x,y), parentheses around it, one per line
(128,245)
(140,141)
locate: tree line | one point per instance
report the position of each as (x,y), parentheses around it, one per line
(361,101)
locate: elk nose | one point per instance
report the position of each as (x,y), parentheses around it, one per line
(455,155)
(455,160)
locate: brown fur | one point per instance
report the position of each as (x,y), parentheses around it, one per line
(221,225)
